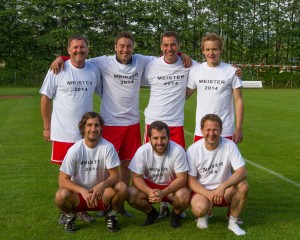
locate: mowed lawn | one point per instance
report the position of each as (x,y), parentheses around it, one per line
(271,148)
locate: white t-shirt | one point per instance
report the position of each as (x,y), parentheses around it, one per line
(121,89)
(214,93)
(72,93)
(88,166)
(159,169)
(213,167)
(167,91)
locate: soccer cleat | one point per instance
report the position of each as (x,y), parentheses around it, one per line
(151,216)
(85,216)
(175,223)
(62,218)
(112,223)
(163,212)
(70,224)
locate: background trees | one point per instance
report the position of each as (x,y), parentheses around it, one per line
(33,32)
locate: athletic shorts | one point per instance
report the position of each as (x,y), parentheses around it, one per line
(126,139)
(59,151)
(83,206)
(197,138)
(222,204)
(176,135)
(160,187)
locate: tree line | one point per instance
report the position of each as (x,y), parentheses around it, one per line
(34,32)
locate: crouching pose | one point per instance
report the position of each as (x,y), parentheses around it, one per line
(89,176)
(159,173)
(210,177)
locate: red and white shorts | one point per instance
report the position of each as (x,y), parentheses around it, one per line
(59,151)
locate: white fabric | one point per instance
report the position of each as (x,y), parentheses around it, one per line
(159,170)
(214,93)
(167,91)
(121,88)
(213,167)
(72,93)
(88,166)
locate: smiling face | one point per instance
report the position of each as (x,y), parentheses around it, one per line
(78,51)
(169,47)
(159,141)
(124,50)
(211,133)
(212,52)
(92,132)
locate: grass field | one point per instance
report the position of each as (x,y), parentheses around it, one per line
(271,147)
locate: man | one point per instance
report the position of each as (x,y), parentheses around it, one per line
(121,76)
(71,92)
(210,178)
(89,176)
(159,173)
(219,90)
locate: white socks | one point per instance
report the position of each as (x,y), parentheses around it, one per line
(233,226)
(202,222)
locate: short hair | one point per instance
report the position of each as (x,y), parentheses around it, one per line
(158,125)
(211,36)
(124,35)
(84,119)
(78,37)
(170,34)
(213,118)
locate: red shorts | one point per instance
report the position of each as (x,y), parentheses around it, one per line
(59,151)
(83,206)
(197,138)
(222,204)
(160,187)
(176,135)
(126,139)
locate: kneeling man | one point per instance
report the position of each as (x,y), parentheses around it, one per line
(89,176)
(159,173)
(210,177)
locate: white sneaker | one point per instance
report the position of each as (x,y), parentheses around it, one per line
(233,226)
(202,222)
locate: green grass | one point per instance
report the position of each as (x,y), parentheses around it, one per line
(271,139)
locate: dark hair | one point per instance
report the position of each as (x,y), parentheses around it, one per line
(124,35)
(211,36)
(213,118)
(169,34)
(78,37)
(158,125)
(84,119)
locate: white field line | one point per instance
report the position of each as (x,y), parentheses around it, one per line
(261,168)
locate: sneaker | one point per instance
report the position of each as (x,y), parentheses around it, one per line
(202,222)
(62,218)
(175,223)
(163,212)
(233,226)
(85,216)
(70,224)
(112,223)
(151,216)
(239,220)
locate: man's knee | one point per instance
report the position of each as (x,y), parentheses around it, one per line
(132,194)
(121,188)
(242,188)
(62,195)
(183,197)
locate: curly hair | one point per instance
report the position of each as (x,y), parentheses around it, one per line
(84,119)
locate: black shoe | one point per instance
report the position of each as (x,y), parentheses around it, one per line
(175,222)
(112,223)
(151,216)
(70,224)
(163,212)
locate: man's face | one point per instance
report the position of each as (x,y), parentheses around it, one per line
(169,47)
(124,50)
(212,53)
(78,51)
(159,141)
(93,130)
(211,133)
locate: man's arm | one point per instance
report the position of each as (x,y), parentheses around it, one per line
(189,92)
(239,115)
(186,60)
(58,64)
(139,182)
(179,182)
(46,115)
(198,188)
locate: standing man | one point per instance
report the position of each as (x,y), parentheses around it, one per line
(89,176)
(159,173)
(219,90)
(210,178)
(71,92)
(121,76)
